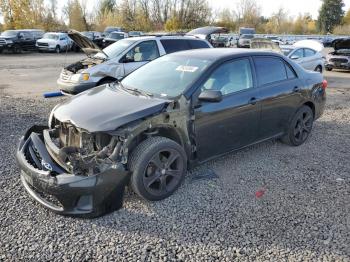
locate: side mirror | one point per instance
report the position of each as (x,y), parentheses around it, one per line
(210,96)
(294,57)
(128,59)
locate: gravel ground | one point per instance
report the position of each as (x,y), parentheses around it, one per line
(267,202)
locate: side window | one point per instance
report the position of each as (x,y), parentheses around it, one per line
(290,72)
(198,44)
(174,45)
(231,77)
(145,51)
(28,36)
(269,70)
(299,53)
(309,52)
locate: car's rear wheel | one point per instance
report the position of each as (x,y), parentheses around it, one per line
(158,167)
(300,127)
(318,69)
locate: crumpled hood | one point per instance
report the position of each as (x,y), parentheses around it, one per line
(106,108)
(204,32)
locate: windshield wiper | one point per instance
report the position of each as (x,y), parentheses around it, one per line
(135,90)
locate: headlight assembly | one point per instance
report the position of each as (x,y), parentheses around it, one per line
(80,77)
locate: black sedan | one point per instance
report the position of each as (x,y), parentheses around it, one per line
(167,116)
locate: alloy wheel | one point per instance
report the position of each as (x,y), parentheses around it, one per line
(163,172)
(303,126)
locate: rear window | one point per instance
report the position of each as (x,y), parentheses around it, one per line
(198,44)
(270,70)
(174,45)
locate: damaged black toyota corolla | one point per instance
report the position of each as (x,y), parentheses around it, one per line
(169,115)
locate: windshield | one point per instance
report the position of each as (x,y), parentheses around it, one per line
(247,36)
(115,49)
(10,33)
(50,36)
(116,36)
(168,76)
(286,51)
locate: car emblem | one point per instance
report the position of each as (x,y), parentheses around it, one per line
(46,165)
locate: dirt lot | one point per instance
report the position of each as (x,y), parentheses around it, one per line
(304,213)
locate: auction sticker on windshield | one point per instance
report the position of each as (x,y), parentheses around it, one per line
(184,68)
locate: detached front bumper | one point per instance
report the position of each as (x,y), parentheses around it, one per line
(62,192)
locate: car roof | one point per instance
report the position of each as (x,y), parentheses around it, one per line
(176,37)
(216,54)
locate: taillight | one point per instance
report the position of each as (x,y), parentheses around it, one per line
(324,84)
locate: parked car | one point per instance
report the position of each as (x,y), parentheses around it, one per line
(54,42)
(327,41)
(17,40)
(94,36)
(340,58)
(113,37)
(232,41)
(220,40)
(135,33)
(119,59)
(308,58)
(160,120)
(265,44)
(110,29)
(244,41)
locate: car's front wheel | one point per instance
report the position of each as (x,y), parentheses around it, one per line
(318,69)
(300,127)
(58,49)
(329,68)
(158,167)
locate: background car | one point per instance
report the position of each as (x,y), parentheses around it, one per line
(110,29)
(244,40)
(113,37)
(340,58)
(18,40)
(119,59)
(135,33)
(308,58)
(54,42)
(94,36)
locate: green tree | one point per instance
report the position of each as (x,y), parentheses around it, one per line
(330,15)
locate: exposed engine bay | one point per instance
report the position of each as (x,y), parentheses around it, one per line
(84,64)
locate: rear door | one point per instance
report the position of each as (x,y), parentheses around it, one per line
(28,41)
(139,55)
(279,93)
(233,122)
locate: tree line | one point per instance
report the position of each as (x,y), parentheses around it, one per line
(169,15)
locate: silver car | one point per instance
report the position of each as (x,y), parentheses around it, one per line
(307,57)
(118,59)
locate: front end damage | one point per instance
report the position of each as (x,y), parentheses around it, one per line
(67,172)
(72,171)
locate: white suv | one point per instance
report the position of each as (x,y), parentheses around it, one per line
(119,59)
(54,42)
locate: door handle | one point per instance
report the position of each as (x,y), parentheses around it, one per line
(253,101)
(296,89)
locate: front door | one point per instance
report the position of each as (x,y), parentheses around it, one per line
(233,122)
(139,55)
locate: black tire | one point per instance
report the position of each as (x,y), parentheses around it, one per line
(329,69)
(57,49)
(300,127)
(17,49)
(318,69)
(155,177)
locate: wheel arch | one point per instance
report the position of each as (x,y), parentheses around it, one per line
(312,106)
(106,78)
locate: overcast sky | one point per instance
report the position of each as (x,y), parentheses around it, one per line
(294,7)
